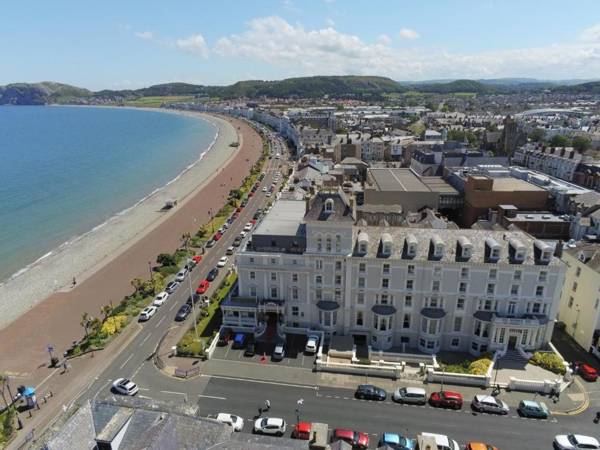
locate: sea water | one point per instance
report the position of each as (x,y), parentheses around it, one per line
(65,170)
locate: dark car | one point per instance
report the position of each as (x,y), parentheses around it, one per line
(237,241)
(172,287)
(193,298)
(212,274)
(250,349)
(256,215)
(183,312)
(370,392)
(224,338)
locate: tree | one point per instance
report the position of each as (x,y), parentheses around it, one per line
(582,143)
(105,311)
(166,259)
(185,240)
(558,140)
(537,135)
(86,321)
(3,384)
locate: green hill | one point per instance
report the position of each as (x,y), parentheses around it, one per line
(592,88)
(39,93)
(451,87)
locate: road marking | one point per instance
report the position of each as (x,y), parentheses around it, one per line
(143,396)
(275,383)
(126,361)
(159,322)
(212,396)
(144,340)
(138,369)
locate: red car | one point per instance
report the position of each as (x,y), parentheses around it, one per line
(585,371)
(239,209)
(197,259)
(302,431)
(356,439)
(203,287)
(446,399)
(251,194)
(217,236)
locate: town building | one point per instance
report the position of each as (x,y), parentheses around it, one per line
(311,266)
(559,162)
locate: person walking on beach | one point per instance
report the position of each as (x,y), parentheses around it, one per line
(74,281)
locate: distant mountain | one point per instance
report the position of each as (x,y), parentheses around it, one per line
(39,93)
(584,88)
(470,86)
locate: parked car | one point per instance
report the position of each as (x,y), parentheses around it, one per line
(302,431)
(146,313)
(239,340)
(410,395)
(264,189)
(279,351)
(256,215)
(125,387)
(268,194)
(237,241)
(575,442)
(183,312)
(172,287)
(270,425)
(356,439)
(217,236)
(585,371)
(250,349)
(397,441)
(210,243)
(243,234)
(312,344)
(442,441)
(446,399)
(203,287)
(489,404)
(197,259)
(181,275)
(530,408)
(160,298)
(230,250)
(479,446)
(194,298)
(212,274)
(236,422)
(370,392)
(248,227)
(223,261)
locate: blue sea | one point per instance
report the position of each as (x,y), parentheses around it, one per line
(66,170)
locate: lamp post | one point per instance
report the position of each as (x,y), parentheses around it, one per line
(193,303)
(151,276)
(212,225)
(300,404)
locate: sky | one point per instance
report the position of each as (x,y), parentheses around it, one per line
(129,44)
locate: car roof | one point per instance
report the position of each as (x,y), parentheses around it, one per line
(530,404)
(391,438)
(451,394)
(304,427)
(343,432)
(440,439)
(415,390)
(275,421)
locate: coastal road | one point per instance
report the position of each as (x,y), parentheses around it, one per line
(137,355)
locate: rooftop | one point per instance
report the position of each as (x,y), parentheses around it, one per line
(514,184)
(389,179)
(284,219)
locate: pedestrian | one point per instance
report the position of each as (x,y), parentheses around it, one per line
(597,419)
(65,366)
(267,405)
(74,281)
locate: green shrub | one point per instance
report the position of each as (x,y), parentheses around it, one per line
(549,361)
(480,366)
(166,259)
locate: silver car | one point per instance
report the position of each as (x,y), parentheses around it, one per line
(489,404)
(411,395)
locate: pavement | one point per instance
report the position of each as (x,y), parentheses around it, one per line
(132,351)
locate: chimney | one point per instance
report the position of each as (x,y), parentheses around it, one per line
(558,250)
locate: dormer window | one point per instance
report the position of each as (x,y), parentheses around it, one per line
(543,252)
(411,246)
(386,244)
(362,247)
(328,208)
(465,248)
(363,242)
(492,250)
(437,247)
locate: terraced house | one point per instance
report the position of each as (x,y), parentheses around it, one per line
(311,265)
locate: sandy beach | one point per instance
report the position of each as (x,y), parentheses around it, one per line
(106,260)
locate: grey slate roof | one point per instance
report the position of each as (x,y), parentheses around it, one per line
(341,211)
(328,305)
(433,313)
(383,310)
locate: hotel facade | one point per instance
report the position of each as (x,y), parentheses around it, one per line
(310,265)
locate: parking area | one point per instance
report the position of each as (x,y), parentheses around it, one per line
(294,356)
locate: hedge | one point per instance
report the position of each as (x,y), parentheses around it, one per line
(549,361)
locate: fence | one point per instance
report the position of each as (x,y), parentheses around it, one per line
(187,373)
(386,371)
(463,379)
(542,386)
(213,344)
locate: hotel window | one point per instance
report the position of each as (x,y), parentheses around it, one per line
(464,272)
(318,279)
(457,324)
(437,271)
(273,261)
(252,291)
(294,293)
(294,278)
(361,282)
(535,308)
(524,337)
(408,301)
(433,302)
(539,291)
(460,303)
(295,310)
(338,280)
(406,321)
(338,265)
(273,276)
(319,264)
(385,283)
(517,275)
(338,295)
(491,288)
(578,271)
(493,273)
(253,275)
(273,292)
(512,308)
(319,294)
(328,244)
(462,287)
(574,288)
(338,243)
(543,276)
(251,259)
(384,299)
(360,298)
(409,285)
(411,269)
(386,269)
(455,342)
(502,333)
(435,286)
(359,319)
(514,289)
(362,267)
(319,244)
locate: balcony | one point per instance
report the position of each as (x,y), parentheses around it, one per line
(502,319)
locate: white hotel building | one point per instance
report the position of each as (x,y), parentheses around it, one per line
(309,265)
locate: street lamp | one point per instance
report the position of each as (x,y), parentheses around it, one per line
(212,225)
(151,276)
(193,301)
(300,404)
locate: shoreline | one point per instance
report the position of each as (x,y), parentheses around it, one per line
(84,254)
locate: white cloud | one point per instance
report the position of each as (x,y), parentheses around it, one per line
(193,44)
(407,33)
(384,39)
(330,22)
(327,51)
(591,34)
(145,35)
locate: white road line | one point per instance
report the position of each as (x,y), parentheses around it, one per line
(126,361)
(137,370)
(143,396)
(185,397)
(159,322)
(212,396)
(144,340)
(275,383)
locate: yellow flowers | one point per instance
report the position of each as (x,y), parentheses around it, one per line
(113,325)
